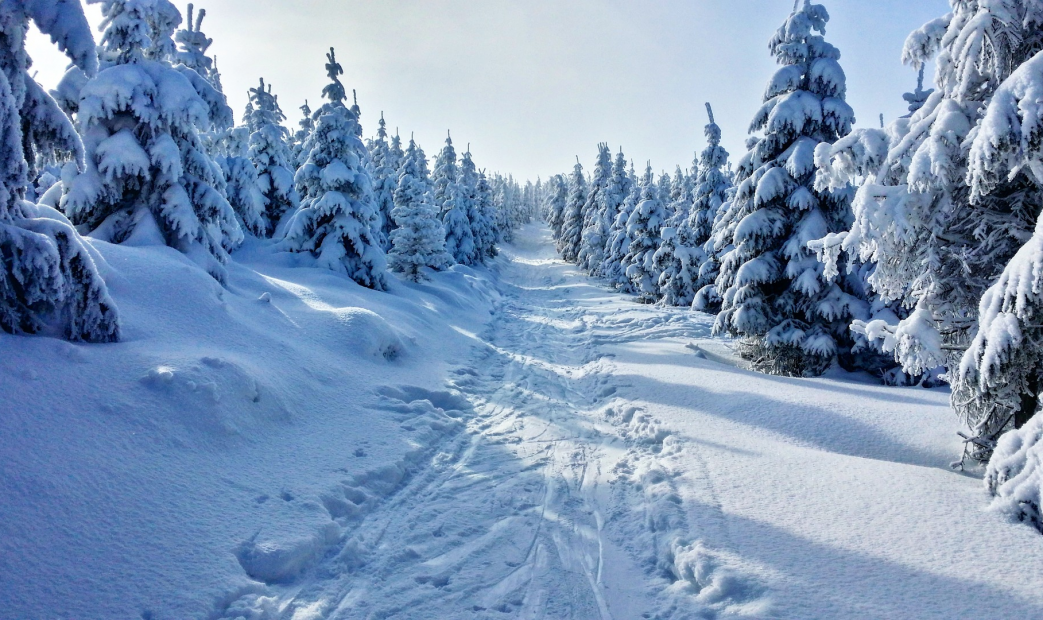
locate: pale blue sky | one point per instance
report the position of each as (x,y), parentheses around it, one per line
(532,83)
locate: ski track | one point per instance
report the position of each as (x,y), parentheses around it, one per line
(550,497)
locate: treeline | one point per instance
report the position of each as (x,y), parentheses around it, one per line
(138,144)
(913,251)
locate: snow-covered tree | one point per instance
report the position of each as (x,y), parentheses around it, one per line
(776,295)
(467,200)
(572,220)
(623,186)
(418,240)
(337,221)
(383,167)
(270,153)
(148,177)
(998,383)
(593,236)
(555,208)
(49,283)
(644,228)
(678,257)
(486,211)
(939,223)
(304,129)
(242,186)
(192,61)
(444,177)
(459,241)
(711,192)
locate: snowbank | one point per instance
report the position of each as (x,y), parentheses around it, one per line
(230,439)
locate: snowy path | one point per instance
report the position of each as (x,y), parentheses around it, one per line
(509,518)
(611,464)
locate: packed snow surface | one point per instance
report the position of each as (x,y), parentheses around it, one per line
(517,442)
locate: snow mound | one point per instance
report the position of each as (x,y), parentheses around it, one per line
(1015,474)
(279,561)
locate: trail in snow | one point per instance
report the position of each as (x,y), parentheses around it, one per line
(554,502)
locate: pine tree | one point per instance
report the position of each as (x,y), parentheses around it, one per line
(467,200)
(243,187)
(270,153)
(711,193)
(555,208)
(487,213)
(776,295)
(444,176)
(384,169)
(304,129)
(337,220)
(49,283)
(572,221)
(938,227)
(613,267)
(193,63)
(593,237)
(644,228)
(148,177)
(418,240)
(677,252)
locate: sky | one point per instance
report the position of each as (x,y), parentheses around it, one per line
(531,84)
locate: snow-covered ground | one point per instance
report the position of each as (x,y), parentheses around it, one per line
(520,443)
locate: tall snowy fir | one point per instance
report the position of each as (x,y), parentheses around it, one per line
(677,254)
(467,201)
(49,283)
(711,192)
(592,239)
(557,195)
(304,129)
(623,190)
(270,153)
(418,240)
(459,241)
(148,177)
(644,230)
(932,213)
(572,218)
(444,176)
(242,185)
(337,221)
(776,295)
(383,167)
(486,214)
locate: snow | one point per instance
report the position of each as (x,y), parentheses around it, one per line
(508,442)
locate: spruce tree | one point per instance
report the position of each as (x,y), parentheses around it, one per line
(243,187)
(148,177)
(384,169)
(939,226)
(711,193)
(793,320)
(467,199)
(49,283)
(621,189)
(444,177)
(418,240)
(644,228)
(593,238)
(337,221)
(677,252)
(572,221)
(304,129)
(555,208)
(271,155)
(486,210)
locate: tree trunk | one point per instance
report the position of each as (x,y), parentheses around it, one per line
(1029,402)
